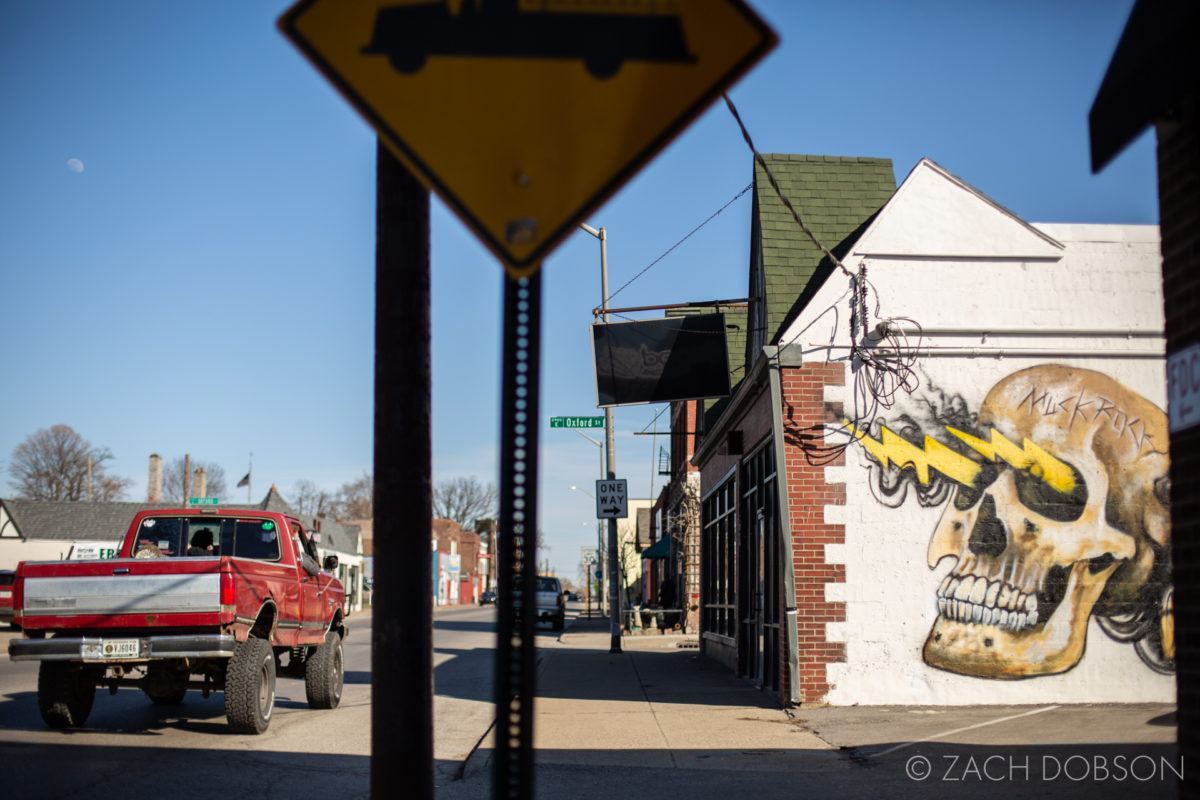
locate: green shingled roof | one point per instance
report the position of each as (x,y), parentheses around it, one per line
(836,197)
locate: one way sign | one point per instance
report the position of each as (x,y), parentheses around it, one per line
(611,499)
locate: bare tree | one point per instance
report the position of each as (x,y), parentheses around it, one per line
(52,464)
(175,489)
(311,499)
(355,500)
(683,525)
(464,500)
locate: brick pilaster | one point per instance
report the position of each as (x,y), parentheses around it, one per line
(808,495)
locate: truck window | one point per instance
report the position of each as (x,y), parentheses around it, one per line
(306,544)
(180,536)
(256,538)
(176,536)
(159,536)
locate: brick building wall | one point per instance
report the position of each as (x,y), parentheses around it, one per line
(804,393)
(1179,212)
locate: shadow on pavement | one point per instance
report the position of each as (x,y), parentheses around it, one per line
(129,712)
(64,770)
(463,625)
(357,676)
(466,675)
(666,676)
(908,772)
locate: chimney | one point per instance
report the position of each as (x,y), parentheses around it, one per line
(201,482)
(154,494)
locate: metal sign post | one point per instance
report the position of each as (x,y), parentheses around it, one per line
(402,636)
(512,764)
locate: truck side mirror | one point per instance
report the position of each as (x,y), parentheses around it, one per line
(331,563)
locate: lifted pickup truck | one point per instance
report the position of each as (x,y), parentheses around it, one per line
(210,600)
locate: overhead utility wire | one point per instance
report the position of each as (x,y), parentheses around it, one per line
(681,241)
(883,371)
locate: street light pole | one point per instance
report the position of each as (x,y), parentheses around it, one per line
(600,550)
(610,459)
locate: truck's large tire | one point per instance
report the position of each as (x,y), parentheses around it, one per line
(324,673)
(250,686)
(65,694)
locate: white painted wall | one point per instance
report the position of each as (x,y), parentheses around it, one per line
(1077,295)
(14,551)
(630,561)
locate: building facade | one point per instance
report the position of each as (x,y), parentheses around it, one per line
(942,480)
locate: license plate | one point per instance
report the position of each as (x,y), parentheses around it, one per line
(110,648)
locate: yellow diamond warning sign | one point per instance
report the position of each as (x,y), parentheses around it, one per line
(525,115)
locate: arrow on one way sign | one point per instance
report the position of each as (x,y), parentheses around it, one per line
(612,499)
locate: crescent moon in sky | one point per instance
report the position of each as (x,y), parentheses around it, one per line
(75,165)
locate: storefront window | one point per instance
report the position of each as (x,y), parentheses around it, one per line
(717,539)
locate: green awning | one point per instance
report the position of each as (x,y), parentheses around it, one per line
(660,549)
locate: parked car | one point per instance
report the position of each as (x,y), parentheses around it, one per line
(6,596)
(212,600)
(487,599)
(550,604)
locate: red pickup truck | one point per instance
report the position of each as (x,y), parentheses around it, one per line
(214,600)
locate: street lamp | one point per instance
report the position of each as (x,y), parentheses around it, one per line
(611,460)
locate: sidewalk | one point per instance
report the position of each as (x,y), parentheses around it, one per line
(658,719)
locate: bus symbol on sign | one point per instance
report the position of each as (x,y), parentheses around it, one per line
(612,499)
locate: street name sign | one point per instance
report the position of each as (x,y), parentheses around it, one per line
(612,499)
(577,422)
(202,501)
(525,115)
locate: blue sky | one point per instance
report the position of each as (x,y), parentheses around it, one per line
(205,284)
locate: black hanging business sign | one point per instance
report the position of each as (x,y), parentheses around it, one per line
(660,360)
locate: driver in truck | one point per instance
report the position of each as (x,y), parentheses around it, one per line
(202,543)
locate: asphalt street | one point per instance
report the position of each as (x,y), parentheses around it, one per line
(133,748)
(656,719)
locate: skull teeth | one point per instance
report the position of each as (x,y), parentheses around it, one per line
(975,599)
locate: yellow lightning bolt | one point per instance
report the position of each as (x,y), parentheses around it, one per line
(1029,456)
(894,450)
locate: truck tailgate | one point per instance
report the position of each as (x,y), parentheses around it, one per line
(120,593)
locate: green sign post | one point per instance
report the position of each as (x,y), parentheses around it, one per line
(202,501)
(577,422)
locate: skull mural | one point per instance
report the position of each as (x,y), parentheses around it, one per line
(1067,517)
(1058,513)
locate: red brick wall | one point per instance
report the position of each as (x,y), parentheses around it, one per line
(1179,215)
(808,494)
